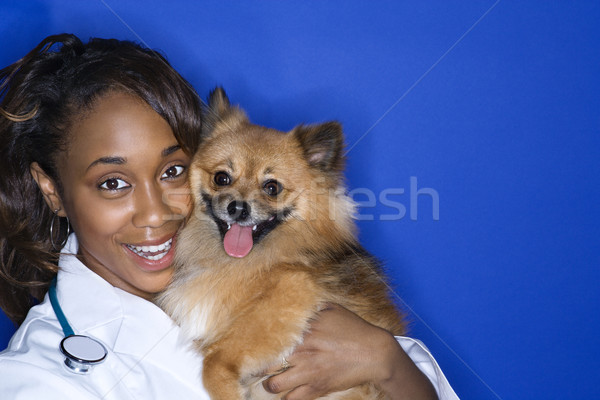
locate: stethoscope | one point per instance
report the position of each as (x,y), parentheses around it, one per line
(81,352)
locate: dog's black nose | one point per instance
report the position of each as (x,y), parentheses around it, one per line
(240,210)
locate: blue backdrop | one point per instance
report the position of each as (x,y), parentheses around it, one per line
(473,136)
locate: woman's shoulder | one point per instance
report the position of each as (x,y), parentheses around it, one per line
(23,380)
(35,343)
(31,364)
(35,334)
(146,354)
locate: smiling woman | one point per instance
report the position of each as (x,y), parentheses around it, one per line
(80,124)
(121,159)
(94,136)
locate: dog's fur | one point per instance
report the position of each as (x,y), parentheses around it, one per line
(247,311)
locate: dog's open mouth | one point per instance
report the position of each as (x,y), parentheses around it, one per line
(238,240)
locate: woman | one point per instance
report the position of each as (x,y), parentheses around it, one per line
(96,138)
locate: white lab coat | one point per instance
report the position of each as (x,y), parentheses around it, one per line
(148,357)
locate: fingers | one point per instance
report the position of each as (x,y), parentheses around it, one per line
(293,382)
(283,365)
(282,382)
(309,376)
(285,379)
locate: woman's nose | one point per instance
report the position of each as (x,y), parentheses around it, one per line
(151,210)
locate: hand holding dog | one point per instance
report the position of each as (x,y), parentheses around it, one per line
(341,351)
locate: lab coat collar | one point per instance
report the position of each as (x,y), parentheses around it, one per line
(124,322)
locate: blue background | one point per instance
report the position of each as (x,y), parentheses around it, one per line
(492,105)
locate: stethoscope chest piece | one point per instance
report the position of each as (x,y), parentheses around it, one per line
(82,353)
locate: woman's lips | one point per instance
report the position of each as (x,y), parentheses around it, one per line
(153,257)
(152,253)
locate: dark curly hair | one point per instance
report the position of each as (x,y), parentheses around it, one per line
(40,97)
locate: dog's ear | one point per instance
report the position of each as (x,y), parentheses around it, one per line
(219,110)
(322,145)
(218,101)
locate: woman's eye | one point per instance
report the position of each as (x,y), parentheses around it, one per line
(222,178)
(114,184)
(173,172)
(272,187)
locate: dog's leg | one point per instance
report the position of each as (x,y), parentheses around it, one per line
(270,325)
(220,378)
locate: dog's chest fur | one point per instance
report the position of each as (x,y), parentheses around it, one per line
(206,303)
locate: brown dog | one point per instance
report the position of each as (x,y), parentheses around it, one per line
(270,242)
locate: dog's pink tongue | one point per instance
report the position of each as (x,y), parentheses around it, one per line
(238,241)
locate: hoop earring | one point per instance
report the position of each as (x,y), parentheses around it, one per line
(54,217)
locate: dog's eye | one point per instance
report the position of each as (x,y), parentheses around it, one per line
(272,187)
(222,178)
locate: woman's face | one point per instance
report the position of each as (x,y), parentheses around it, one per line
(125,193)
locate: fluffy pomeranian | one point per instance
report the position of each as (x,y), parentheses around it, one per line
(270,242)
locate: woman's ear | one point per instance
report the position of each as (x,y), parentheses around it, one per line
(48,187)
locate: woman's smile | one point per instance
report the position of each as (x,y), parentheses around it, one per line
(151,252)
(152,257)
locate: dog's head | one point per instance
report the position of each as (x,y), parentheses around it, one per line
(257,186)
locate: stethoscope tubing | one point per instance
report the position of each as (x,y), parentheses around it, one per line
(62,319)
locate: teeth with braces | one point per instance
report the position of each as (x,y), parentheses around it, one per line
(143,251)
